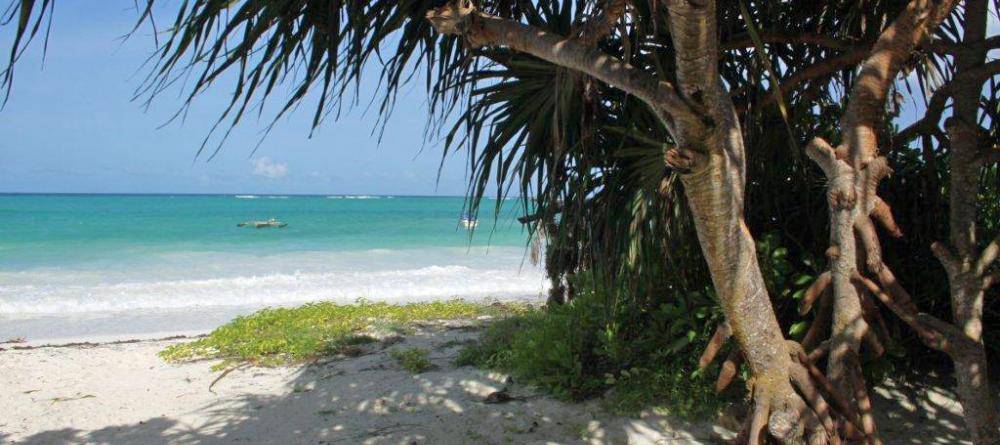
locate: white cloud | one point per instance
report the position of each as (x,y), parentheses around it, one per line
(269,169)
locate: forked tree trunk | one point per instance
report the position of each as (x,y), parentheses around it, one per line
(855,170)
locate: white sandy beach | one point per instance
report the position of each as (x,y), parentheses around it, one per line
(124,394)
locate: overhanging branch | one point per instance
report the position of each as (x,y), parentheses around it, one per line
(893,48)
(939,100)
(481,29)
(817,70)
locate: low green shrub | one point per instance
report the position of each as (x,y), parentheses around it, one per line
(280,336)
(638,358)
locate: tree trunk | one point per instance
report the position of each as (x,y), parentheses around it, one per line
(713,165)
(977,399)
(848,326)
(976,394)
(966,282)
(714,194)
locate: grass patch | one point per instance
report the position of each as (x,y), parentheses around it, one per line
(635,358)
(280,336)
(415,360)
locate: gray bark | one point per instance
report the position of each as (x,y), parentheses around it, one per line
(966,281)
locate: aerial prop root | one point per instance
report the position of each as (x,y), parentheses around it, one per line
(782,414)
(815,290)
(804,408)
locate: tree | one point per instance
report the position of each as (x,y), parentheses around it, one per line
(654,74)
(854,170)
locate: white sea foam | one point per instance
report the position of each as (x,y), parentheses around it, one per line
(246,196)
(357,197)
(207,280)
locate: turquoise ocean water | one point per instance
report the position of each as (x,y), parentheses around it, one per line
(117,265)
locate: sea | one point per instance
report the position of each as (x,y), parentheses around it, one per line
(109,267)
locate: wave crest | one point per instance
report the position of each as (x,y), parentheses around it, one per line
(275,289)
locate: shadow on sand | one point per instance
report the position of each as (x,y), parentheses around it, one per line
(369,400)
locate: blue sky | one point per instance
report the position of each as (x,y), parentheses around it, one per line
(70,126)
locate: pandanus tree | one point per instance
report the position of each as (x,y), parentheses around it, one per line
(854,170)
(635,112)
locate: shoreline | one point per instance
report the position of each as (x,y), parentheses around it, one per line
(109,326)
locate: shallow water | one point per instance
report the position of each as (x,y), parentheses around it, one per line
(93,265)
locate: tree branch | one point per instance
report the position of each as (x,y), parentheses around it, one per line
(991,279)
(946,257)
(894,46)
(939,100)
(481,29)
(952,48)
(693,33)
(601,25)
(817,70)
(988,256)
(820,151)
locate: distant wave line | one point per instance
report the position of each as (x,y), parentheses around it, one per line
(358,197)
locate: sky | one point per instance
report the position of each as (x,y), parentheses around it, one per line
(70,126)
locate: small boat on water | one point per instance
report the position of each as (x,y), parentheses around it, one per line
(271,223)
(468,221)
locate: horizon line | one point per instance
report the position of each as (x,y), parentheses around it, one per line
(235,194)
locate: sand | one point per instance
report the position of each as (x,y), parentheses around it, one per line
(124,394)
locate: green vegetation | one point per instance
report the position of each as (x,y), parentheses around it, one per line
(414,360)
(280,336)
(586,347)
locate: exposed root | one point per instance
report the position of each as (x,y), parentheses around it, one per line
(879,331)
(899,294)
(754,429)
(882,213)
(730,367)
(864,403)
(820,327)
(804,409)
(719,338)
(819,351)
(869,239)
(875,347)
(840,403)
(802,381)
(817,289)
